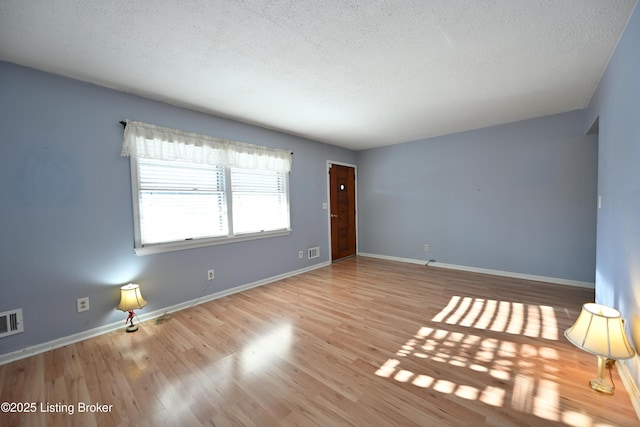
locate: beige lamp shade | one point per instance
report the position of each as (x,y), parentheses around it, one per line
(599,330)
(131,298)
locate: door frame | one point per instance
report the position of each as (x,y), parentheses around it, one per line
(355,172)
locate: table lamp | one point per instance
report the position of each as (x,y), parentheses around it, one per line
(600,330)
(131,299)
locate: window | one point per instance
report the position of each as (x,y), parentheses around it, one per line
(259,191)
(179,201)
(193,190)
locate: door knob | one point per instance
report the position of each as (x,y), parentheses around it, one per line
(334,216)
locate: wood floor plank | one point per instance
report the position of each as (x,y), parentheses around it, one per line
(363,342)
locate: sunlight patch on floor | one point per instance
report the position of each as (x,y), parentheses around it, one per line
(536,321)
(528,369)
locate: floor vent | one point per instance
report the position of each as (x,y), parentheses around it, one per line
(11,322)
(314,252)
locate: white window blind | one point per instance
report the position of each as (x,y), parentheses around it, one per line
(260,200)
(191,190)
(180,201)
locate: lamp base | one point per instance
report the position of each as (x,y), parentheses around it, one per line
(601,385)
(132,328)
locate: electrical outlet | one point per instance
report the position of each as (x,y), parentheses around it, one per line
(426,248)
(210,274)
(83,304)
(300,255)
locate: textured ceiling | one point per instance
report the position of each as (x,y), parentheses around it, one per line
(357,74)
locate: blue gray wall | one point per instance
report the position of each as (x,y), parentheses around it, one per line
(616,105)
(66,228)
(519,198)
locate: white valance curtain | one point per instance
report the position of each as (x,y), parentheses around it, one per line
(155,142)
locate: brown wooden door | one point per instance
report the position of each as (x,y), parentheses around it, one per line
(342,193)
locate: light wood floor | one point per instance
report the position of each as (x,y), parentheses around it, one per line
(362,342)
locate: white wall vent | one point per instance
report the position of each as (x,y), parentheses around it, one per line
(314,252)
(11,322)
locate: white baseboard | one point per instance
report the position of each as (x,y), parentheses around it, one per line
(629,385)
(486,271)
(81,336)
(394,258)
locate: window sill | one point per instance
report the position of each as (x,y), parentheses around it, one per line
(201,243)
